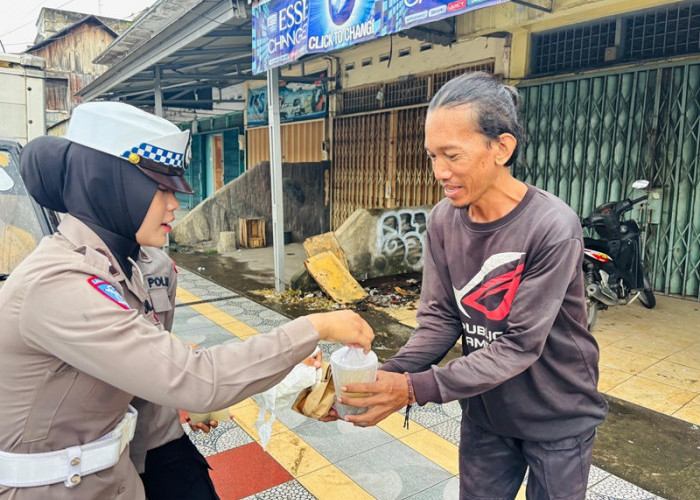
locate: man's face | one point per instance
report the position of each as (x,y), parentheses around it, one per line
(466,162)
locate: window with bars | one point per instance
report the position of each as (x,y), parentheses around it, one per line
(671,30)
(663,32)
(407,91)
(440,79)
(363,99)
(572,48)
(403,92)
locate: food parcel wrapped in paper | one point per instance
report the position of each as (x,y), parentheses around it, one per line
(317,401)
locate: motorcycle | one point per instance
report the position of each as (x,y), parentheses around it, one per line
(612,262)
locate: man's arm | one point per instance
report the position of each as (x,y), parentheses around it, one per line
(438,331)
(535,307)
(439,325)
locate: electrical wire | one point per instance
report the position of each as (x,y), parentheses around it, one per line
(31,22)
(30,43)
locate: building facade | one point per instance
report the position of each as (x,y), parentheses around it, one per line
(69,42)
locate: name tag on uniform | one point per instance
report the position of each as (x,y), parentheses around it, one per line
(108,291)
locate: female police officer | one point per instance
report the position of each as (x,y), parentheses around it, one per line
(80,339)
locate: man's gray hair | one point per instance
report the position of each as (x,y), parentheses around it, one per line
(493,105)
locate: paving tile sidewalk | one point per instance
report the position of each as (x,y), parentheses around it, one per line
(306,459)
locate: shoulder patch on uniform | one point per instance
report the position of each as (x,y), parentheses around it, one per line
(108,291)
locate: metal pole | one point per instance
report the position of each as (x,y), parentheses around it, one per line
(273,113)
(158,98)
(158,92)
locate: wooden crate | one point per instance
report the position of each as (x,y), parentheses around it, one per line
(251,232)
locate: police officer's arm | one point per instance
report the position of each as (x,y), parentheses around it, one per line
(124,349)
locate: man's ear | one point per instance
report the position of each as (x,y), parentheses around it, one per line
(505,146)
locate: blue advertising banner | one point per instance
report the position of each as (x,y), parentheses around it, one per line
(298,101)
(284,30)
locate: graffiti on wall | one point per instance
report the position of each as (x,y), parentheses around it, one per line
(400,237)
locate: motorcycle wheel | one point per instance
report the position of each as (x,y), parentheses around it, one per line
(646,296)
(592,312)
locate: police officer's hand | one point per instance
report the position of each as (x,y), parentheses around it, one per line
(343,326)
(385,396)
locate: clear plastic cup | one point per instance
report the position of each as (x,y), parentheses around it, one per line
(350,365)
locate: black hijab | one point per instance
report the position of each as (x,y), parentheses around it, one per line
(108,194)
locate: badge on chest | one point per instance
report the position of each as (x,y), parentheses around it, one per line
(108,291)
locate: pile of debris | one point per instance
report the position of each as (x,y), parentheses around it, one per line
(327,266)
(396,291)
(380,295)
(313,301)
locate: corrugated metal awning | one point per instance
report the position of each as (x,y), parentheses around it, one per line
(191,46)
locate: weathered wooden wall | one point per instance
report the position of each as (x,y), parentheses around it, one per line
(75,51)
(69,57)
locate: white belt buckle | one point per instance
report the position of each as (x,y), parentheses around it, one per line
(126,427)
(73,472)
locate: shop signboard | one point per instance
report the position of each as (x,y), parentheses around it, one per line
(285,30)
(298,101)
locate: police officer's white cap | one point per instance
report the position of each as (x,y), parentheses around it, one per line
(154,145)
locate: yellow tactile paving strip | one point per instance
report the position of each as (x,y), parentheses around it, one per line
(224,320)
(303,462)
(321,478)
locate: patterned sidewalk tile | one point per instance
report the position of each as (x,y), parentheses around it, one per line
(614,488)
(201,287)
(244,471)
(446,490)
(226,436)
(340,440)
(291,490)
(392,471)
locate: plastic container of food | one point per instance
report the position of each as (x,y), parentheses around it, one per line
(350,365)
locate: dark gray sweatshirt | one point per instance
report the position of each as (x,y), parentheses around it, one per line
(513,289)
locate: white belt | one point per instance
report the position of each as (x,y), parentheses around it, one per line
(19,470)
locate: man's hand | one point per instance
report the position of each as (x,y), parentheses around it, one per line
(201,426)
(205,421)
(331,417)
(385,396)
(314,360)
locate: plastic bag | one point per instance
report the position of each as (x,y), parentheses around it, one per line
(281,396)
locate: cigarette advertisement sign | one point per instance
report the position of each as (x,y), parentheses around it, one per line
(298,101)
(285,30)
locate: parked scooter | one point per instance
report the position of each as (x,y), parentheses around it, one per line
(612,262)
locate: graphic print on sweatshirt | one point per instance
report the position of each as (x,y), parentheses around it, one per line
(486,299)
